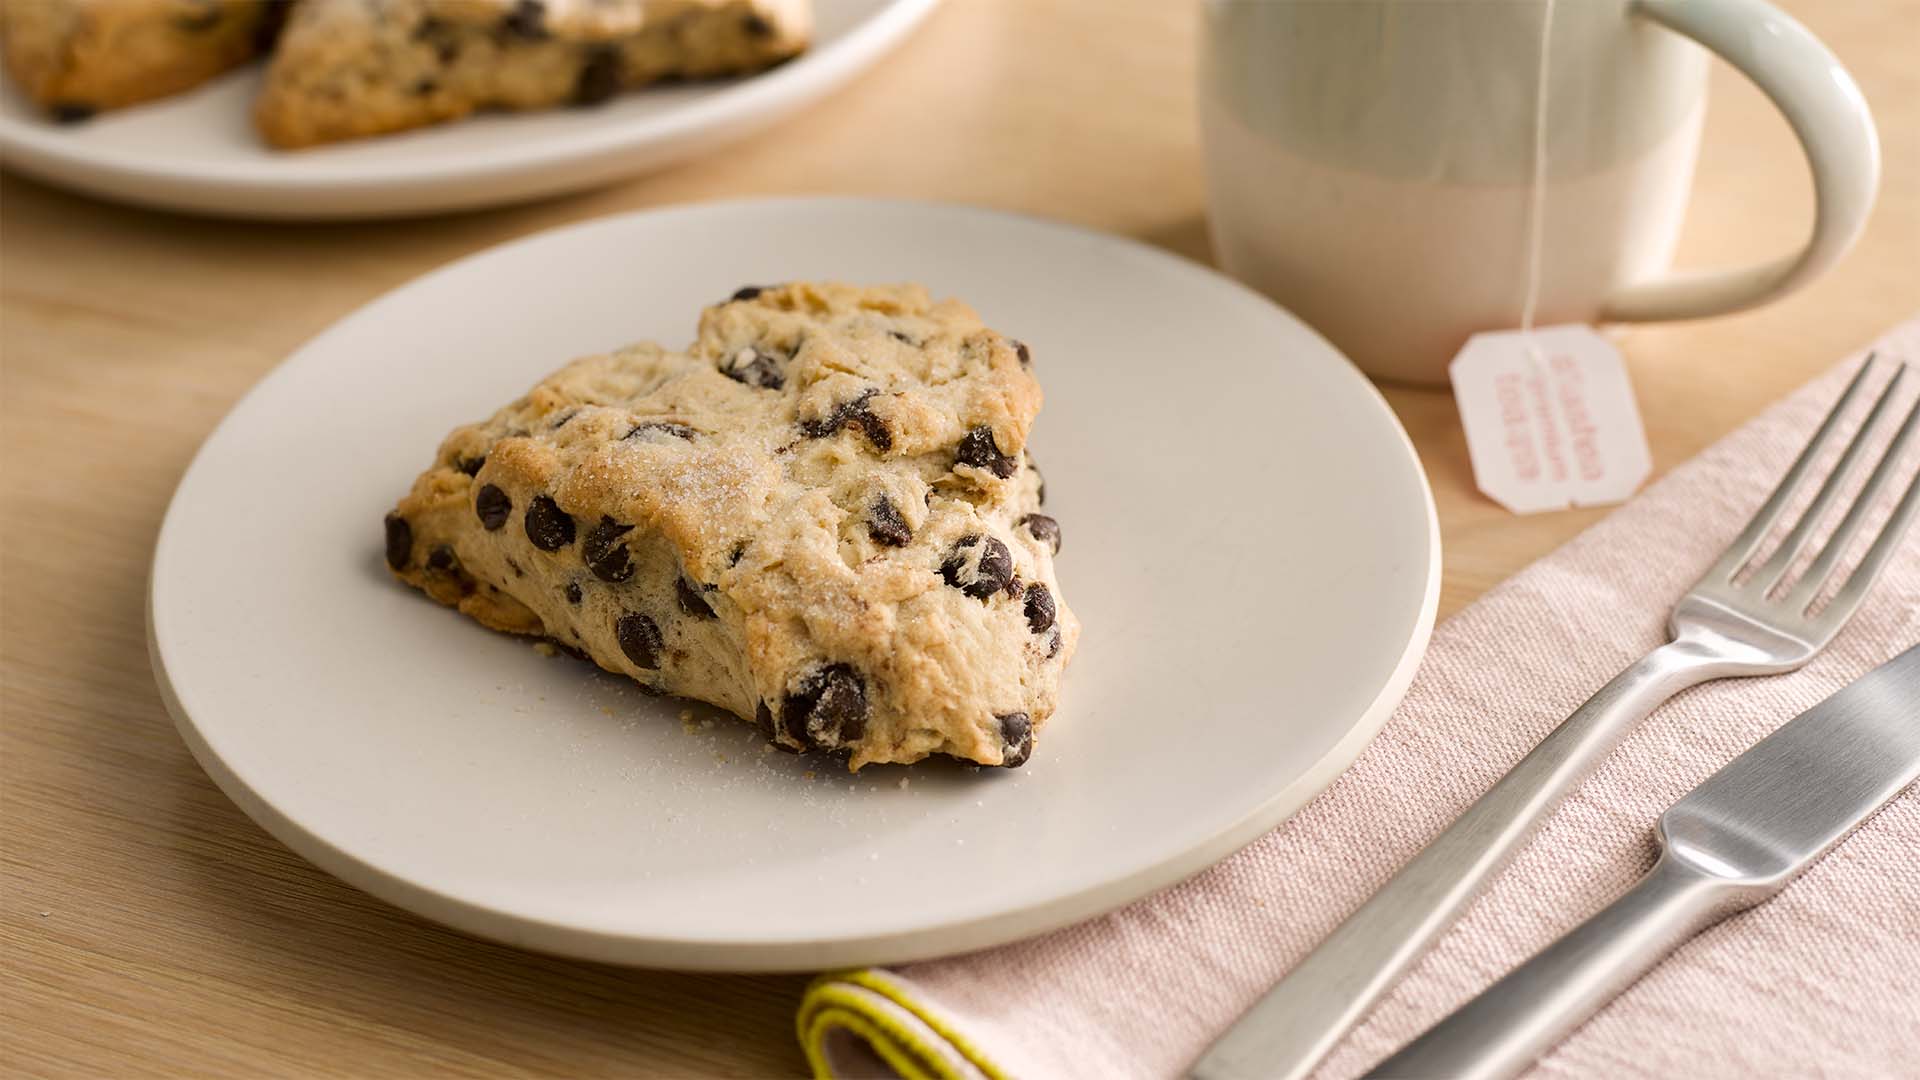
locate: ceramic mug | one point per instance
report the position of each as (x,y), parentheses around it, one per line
(1370,162)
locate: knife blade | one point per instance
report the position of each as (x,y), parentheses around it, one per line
(1729,844)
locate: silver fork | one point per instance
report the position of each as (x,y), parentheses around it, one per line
(1726,626)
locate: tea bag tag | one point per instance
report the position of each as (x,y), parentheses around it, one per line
(1550,418)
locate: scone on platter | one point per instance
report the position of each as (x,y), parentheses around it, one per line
(821,517)
(351,68)
(344,69)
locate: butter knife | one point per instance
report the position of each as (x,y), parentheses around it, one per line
(1731,843)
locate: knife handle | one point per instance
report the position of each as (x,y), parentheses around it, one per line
(1514,1021)
(1284,1034)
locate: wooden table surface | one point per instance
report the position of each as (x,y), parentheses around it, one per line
(149,927)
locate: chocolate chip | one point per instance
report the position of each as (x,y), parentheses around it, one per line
(691,602)
(835,420)
(829,709)
(573,592)
(640,639)
(763,719)
(1016,739)
(885,524)
(756,26)
(599,77)
(431,31)
(526,19)
(1014,586)
(646,432)
(1026,355)
(978,566)
(472,466)
(548,526)
(442,558)
(1042,528)
(748,292)
(1053,646)
(1040,610)
(979,450)
(875,428)
(754,367)
(854,413)
(492,505)
(399,541)
(70,112)
(606,553)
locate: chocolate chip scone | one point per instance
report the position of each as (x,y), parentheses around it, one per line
(820,517)
(77,57)
(349,68)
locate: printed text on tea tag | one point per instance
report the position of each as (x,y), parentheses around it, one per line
(1550,418)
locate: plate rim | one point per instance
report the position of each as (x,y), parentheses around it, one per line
(593,156)
(786,954)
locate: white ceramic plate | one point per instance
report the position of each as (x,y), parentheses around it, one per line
(1249,541)
(198,151)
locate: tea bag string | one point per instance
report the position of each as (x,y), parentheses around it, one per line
(1537,190)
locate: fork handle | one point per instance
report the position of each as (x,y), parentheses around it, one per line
(1500,1033)
(1288,1031)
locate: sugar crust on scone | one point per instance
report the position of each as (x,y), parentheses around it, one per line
(820,517)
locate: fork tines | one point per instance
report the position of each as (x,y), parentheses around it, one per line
(1769,576)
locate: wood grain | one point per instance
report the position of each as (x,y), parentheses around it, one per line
(149,928)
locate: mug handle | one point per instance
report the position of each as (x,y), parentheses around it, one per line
(1828,113)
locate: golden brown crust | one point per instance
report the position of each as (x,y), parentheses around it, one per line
(78,57)
(733,497)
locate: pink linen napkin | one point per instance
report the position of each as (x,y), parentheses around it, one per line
(1822,981)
